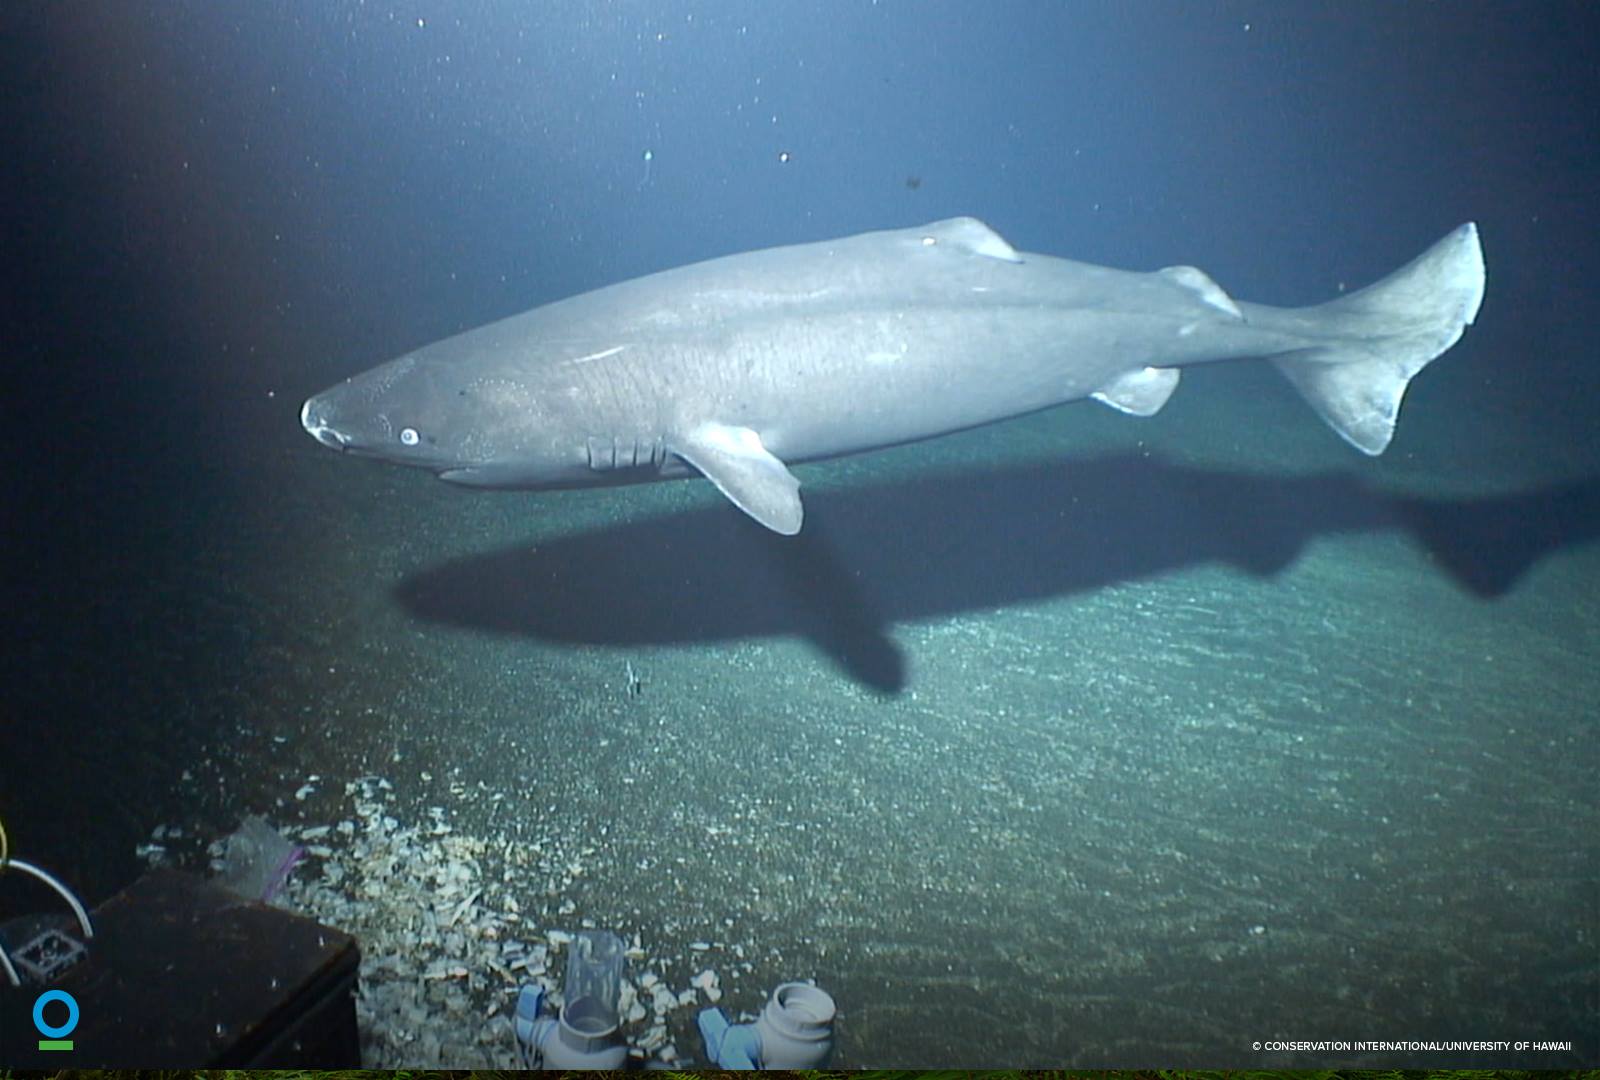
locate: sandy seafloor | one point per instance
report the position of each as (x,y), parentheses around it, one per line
(1075,740)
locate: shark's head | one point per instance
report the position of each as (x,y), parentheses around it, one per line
(413,411)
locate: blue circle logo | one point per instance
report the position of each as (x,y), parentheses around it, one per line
(51,1031)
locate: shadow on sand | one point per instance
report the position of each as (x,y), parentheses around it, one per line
(950,542)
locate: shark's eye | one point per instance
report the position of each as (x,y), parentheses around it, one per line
(408,436)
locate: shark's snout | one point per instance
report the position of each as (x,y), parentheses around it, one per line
(313,419)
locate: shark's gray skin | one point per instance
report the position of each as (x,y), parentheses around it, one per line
(740,366)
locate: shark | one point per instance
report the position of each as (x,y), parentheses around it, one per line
(739,367)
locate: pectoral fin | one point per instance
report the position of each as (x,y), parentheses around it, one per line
(734,459)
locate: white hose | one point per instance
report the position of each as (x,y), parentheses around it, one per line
(66,893)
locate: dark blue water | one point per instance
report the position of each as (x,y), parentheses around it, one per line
(1076,740)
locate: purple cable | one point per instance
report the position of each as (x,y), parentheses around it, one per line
(281,874)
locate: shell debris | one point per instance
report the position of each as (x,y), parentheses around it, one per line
(447,935)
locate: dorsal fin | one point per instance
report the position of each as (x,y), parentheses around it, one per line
(970,235)
(1199,282)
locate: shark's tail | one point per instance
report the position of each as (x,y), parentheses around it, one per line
(1378,338)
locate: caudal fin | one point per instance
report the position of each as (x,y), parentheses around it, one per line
(1380,337)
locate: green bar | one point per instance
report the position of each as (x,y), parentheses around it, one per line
(55,1044)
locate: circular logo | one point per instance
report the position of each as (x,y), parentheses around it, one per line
(50,1031)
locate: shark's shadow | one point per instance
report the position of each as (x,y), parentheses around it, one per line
(873,556)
